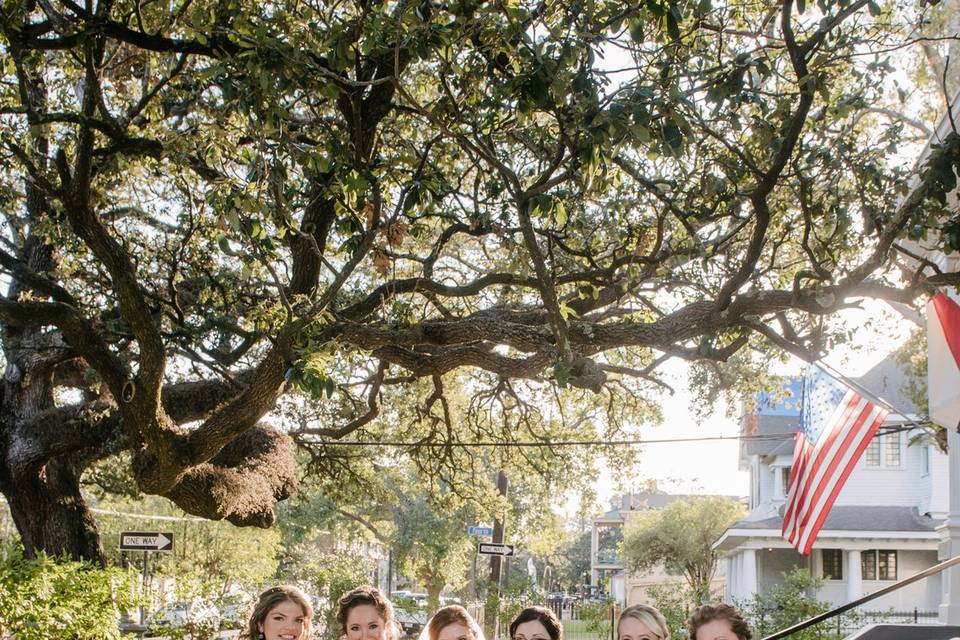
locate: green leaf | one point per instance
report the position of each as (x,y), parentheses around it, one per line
(559,212)
(225,246)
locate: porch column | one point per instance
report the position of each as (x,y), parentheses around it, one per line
(854,577)
(731,579)
(749,572)
(594,548)
(950,536)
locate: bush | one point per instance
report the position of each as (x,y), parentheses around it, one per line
(59,599)
(785,605)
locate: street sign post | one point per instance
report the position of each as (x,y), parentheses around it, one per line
(479,531)
(146,541)
(495,549)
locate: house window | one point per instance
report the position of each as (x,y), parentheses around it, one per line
(887,565)
(892,453)
(878,564)
(884,451)
(832,564)
(925,460)
(868,565)
(785,474)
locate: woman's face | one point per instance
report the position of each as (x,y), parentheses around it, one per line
(364,622)
(632,629)
(456,631)
(716,630)
(531,630)
(284,622)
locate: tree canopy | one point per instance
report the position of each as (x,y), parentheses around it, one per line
(679,537)
(466,221)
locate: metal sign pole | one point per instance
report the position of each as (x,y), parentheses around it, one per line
(143,620)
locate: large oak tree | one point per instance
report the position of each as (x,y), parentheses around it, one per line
(210,203)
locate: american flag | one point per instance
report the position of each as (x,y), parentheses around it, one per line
(836,425)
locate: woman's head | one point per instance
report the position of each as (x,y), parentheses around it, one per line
(283,610)
(718,622)
(536,623)
(365,614)
(642,622)
(453,623)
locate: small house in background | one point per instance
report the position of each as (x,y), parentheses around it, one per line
(607,565)
(882,527)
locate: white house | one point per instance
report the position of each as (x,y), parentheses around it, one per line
(883,524)
(607,564)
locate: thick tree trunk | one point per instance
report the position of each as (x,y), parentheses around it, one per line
(51,515)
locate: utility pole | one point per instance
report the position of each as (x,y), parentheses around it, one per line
(492,613)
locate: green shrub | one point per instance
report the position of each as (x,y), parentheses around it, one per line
(59,599)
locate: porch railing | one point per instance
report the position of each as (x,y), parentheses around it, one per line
(926,573)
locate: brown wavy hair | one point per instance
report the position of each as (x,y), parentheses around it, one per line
(370,596)
(544,616)
(452,614)
(270,599)
(710,612)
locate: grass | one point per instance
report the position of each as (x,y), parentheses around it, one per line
(577,630)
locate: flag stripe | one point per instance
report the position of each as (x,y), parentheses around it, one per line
(827,470)
(827,458)
(948,313)
(799,466)
(850,461)
(856,441)
(837,424)
(820,454)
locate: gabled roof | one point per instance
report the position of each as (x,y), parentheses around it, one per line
(769,426)
(846,521)
(885,381)
(857,518)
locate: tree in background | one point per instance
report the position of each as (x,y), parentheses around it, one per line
(209,559)
(679,538)
(211,206)
(430,542)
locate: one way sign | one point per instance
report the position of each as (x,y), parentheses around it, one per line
(146,541)
(494,549)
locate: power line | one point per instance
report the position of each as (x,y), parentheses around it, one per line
(786,435)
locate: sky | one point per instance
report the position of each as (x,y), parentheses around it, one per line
(712,467)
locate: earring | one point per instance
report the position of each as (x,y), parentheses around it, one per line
(260,636)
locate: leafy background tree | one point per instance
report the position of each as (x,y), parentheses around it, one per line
(679,538)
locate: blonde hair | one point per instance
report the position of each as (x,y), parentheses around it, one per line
(270,599)
(649,616)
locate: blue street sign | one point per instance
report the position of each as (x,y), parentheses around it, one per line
(480,531)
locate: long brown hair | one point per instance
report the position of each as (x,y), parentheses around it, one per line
(370,596)
(544,616)
(270,599)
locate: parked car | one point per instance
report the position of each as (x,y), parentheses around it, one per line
(184,613)
(411,622)
(235,611)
